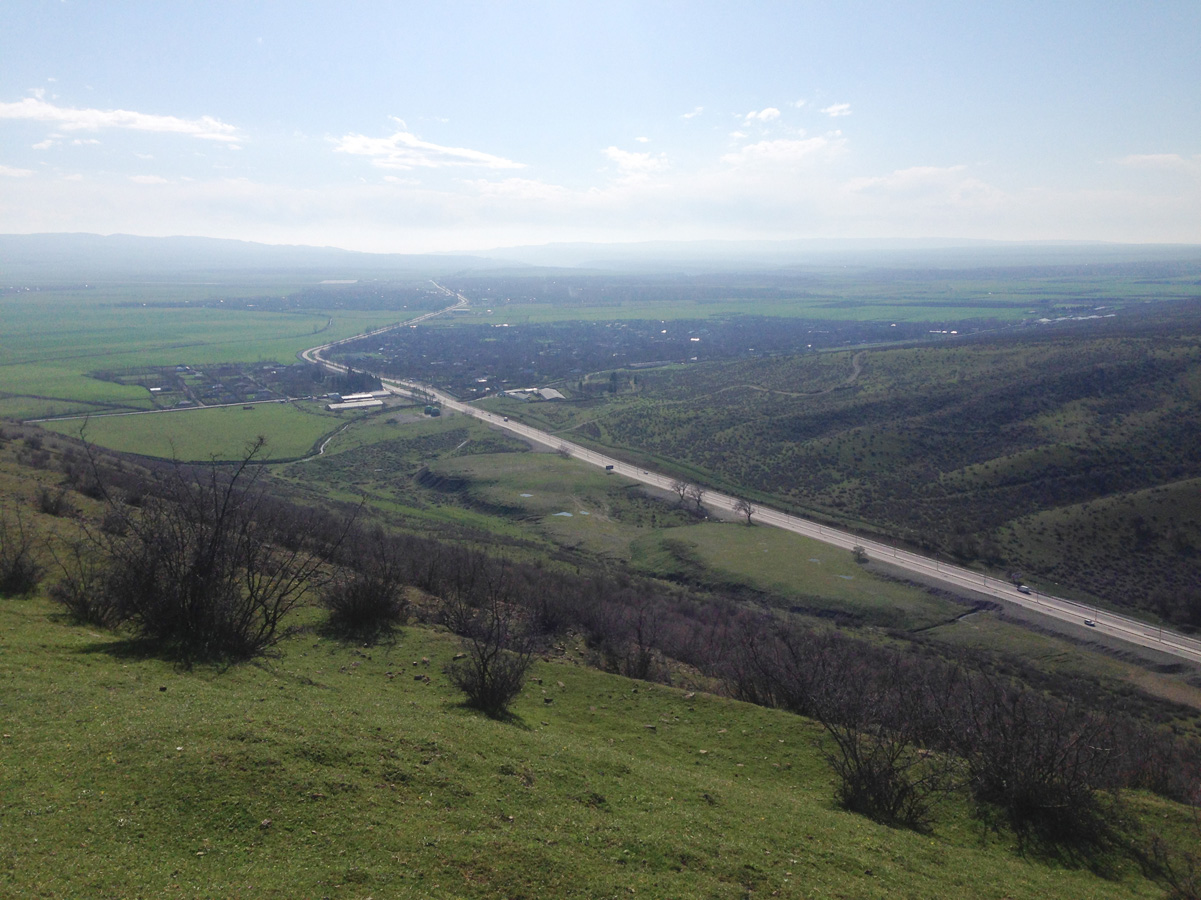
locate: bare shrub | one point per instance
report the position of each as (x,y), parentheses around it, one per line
(498,644)
(20,572)
(1048,768)
(876,718)
(53,502)
(200,570)
(365,597)
(80,588)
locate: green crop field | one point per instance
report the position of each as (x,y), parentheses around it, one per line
(858,294)
(291,430)
(53,340)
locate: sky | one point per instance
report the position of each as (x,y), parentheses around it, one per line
(462,126)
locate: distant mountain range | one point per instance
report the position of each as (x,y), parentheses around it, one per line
(44,258)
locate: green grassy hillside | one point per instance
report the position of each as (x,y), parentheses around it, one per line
(331,771)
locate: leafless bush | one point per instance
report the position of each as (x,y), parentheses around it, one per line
(1048,768)
(53,502)
(20,572)
(877,718)
(498,644)
(80,588)
(200,571)
(365,597)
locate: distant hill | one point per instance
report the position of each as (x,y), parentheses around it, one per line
(46,258)
(929,253)
(57,257)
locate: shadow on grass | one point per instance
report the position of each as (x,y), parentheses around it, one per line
(506,718)
(384,636)
(138,649)
(1102,844)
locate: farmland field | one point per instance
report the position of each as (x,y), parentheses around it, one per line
(53,340)
(291,430)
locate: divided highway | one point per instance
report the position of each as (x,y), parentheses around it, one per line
(1116,626)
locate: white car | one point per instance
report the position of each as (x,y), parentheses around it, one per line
(1022,589)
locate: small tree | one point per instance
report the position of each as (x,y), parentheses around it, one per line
(744,507)
(696,494)
(859,552)
(680,488)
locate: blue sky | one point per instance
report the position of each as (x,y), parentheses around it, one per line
(409,127)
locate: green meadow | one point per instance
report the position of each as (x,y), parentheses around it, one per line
(291,430)
(339,771)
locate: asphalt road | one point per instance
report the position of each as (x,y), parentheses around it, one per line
(1103,622)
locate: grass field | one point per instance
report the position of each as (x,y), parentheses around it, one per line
(329,771)
(857,294)
(291,429)
(813,576)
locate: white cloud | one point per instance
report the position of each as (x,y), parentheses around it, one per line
(837,109)
(38,110)
(11,172)
(764,115)
(643,140)
(737,135)
(75,177)
(799,103)
(147,179)
(695,112)
(404,150)
(1165,162)
(939,187)
(44,145)
(79,142)
(636,163)
(785,151)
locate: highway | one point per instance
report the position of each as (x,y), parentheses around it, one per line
(954,577)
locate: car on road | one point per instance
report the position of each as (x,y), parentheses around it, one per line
(1090,623)
(1022,589)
